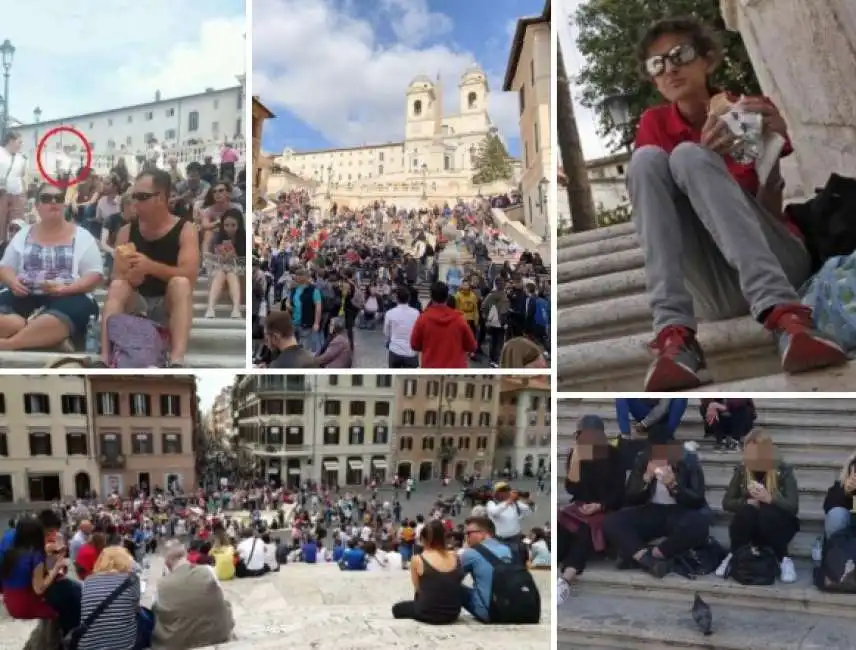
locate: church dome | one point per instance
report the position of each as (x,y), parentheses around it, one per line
(473,72)
(422,81)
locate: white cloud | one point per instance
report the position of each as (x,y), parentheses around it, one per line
(413,22)
(80,57)
(327,67)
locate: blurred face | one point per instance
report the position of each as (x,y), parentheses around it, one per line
(14,145)
(147,201)
(670,453)
(230,226)
(221,193)
(591,445)
(193,177)
(676,69)
(465,286)
(51,206)
(758,456)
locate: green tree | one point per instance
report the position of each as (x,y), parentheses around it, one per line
(608,33)
(492,162)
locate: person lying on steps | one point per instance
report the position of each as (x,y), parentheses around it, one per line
(156,266)
(715,241)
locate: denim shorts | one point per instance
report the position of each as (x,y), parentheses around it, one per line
(74,311)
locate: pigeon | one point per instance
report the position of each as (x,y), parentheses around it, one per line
(702,615)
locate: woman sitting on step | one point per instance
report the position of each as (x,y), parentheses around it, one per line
(840,502)
(595,481)
(763,496)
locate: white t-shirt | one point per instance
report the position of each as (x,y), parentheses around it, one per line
(393,560)
(254,558)
(12,169)
(366,533)
(377,562)
(506,517)
(270,556)
(398,326)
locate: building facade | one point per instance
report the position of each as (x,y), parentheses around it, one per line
(523,423)
(608,182)
(46,439)
(528,75)
(446,426)
(144,432)
(261,163)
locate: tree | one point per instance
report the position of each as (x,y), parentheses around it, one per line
(578,187)
(492,162)
(608,32)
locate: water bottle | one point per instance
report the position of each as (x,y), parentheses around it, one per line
(93,337)
(817,550)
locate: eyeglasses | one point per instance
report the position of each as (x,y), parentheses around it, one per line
(51,198)
(471,532)
(143,196)
(678,56)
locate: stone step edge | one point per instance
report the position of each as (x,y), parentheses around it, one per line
(607,232)
(597,248)
(585,291)
(196,360)
(602,265)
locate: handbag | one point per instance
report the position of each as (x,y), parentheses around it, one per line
(72,639)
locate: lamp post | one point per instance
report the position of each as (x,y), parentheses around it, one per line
(618,107)
(329,179)
(424,182)
(542,204)
(7,50)
(37,117)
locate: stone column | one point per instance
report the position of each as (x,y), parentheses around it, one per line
(804,54)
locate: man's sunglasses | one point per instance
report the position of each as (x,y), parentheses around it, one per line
(51,198)
(678,56)
(143,196)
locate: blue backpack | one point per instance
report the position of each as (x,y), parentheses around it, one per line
(831,294)
(542,312)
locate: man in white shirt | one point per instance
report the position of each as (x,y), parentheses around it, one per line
(13,188)
(397,327)
(251,557)
(505,512)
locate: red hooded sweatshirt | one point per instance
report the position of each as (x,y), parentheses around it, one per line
(443,337)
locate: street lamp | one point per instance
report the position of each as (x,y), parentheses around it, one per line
(424,185)
(7,50)
(618,107)
(542,204)
(37,117)
(329,179)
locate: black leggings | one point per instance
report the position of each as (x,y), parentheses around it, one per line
(575,549)
(407,609)
(766,525)
(630,529)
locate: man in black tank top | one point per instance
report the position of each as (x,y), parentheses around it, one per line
(157,260)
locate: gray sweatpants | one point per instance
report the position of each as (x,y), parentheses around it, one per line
(706,241)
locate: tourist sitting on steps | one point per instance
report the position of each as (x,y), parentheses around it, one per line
(594,478)
(763,496)
(50,270)
(644,420)
(354,558)
(840,502)
(715,241)
(665,497)
(436,575)
(477,599)
(228,263)
(727,420)
(251,556)
(156,266)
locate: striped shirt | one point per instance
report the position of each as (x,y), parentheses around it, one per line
(116,627)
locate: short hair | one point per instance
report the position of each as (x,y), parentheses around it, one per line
(402,295)
(484,524)
(161,180)
(193,167)
(279,322)
(439,293)
(9,136)
(50,520)
(702,38)
(114,559)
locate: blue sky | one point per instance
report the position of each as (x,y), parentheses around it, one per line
(335,72)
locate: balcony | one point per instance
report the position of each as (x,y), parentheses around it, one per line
(279,384)
(272,451)
(112,462)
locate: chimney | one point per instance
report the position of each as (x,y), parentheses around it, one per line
(157,95)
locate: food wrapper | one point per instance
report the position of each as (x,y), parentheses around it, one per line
(753,146)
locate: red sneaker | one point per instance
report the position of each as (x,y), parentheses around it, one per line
(679,362)
(802,347)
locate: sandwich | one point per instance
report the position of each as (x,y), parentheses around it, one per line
(126,249)
(720,104)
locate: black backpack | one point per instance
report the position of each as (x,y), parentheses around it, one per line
(753,565)
(837,571)
(699,561)
(514,596)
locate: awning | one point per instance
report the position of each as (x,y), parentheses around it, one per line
(380,463)
(294,471)
(331,465)
(273,470)
(355,464)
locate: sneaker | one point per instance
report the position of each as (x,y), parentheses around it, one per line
(801,347)
(563,591)
(722,569)
(679,361)
(657,567)
(789,573)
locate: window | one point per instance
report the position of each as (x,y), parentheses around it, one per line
(405,443)
(149,116)
(128,141)
(448,418)
(534,403)
(469,391)
(216,104)
(484,419)
(238,130)
(417,107)
(141,404)
(170,112)
(40,444)
(75,444)
(409,387)
(408,418)
(356,435)
(522,98)
(130,119)
(331,434)
(4,444)
(432,388)
(447,163)
(532,71)
(142,443)
(37,404)
(463,442)
(383,381)
(452,390)
(487,393)
(381,434)
(357,408)
(481,442)
(381,409)
(215,128)
(380,156)
(111,145)
(380,170)
(332,407)
(334,380)
(427,443)
(193,121)
(272,407)
(294,407)
(169,134)
(472,100)
(537,136)
(170,405)
(111,445)
(74,405)
(294,435)
(107,403)
(110,121)
(356,380)
(273,436)
(447,442)
(6,493)
(171,443)
(430,418)
(466,419)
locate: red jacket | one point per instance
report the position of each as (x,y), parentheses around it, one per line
(443,337)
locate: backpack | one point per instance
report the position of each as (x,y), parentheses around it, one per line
(514,596)
(837,571)
(542,309)
(831,295)
(493,319)
(700,561)
(753,565)
(135,342)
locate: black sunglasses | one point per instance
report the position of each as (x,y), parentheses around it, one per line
(51,198)
(143,196)
(678,56)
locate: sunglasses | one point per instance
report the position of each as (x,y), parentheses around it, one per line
(51,198)
(143,196)
(678,56)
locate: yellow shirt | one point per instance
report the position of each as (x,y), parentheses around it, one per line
(468,304)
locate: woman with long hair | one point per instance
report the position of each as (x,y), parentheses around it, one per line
(216,203)
(763,496)
(228,264)
(839,505)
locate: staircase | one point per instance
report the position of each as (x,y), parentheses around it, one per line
(214,342)
(604,326)
(630,610)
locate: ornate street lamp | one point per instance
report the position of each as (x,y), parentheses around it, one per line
(37,117)
(543,186)
(618,108)
(424,182)
(7,50)
(329,179)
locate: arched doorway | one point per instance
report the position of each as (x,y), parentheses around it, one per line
(460,468)
(426,469)
(403,471)
(82,485)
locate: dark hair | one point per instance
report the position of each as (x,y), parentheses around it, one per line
(266,538)
(439,293)
(279,322)
(205,548)
(209,196)
(9,136)
(702,38)
(50,520)
(161,180)
(240,240)
(193,167)
(370,548)
(402,295)
(538,534)
(434,535)
(482,523)
(29,538)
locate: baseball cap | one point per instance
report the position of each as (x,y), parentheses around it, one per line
(591,423)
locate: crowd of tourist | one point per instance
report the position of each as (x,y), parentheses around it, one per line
(319,278)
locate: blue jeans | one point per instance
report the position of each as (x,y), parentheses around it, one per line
(473,606)
(309,339)
(73,311)
(836,520)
